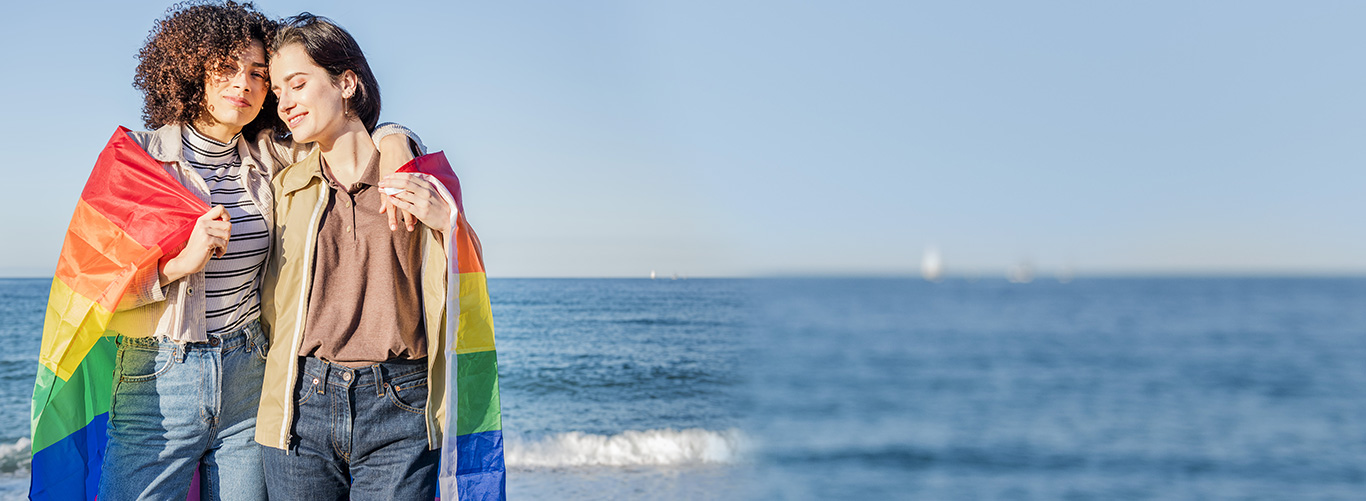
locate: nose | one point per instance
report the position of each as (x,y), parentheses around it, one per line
(286,104)
(240,79)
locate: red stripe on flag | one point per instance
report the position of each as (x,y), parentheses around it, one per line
(469,252)
(137,195)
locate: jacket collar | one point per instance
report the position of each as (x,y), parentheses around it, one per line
(168,145)
(298,176)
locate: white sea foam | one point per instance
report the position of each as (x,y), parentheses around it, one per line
(664,447)
(16,457)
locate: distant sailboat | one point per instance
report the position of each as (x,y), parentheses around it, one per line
(652,274)
(1022,273)
(932,266)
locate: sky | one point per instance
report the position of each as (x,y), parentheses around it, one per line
(707,138)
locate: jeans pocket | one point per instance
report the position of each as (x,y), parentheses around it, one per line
(140,360)
(409,392)
(305,389)
(260,344)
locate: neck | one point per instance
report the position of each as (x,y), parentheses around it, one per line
(217,131)
(349,153)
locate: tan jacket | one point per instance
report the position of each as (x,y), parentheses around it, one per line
(301,194)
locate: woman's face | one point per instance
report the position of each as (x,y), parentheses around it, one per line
(234,97)
(312,104)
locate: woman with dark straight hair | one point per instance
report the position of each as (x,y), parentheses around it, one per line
(352,401)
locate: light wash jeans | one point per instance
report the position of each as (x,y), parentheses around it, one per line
(359,433)
(178,408)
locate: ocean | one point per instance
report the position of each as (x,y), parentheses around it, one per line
(864,388)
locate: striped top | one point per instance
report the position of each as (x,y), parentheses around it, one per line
(232,298)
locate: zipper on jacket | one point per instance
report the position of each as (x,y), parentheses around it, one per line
(299,319)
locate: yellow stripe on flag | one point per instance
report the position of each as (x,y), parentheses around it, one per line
(476,320)
(73,325)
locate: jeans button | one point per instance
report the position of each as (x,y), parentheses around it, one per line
(346,376)
(213,341)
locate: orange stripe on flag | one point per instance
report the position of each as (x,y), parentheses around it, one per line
(98,259)
(469,253)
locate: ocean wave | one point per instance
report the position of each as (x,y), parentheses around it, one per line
(16,457)
(666,447)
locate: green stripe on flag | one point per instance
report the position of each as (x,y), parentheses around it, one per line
(477,384)
(60,408)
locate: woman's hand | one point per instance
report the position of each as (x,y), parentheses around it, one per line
(208,239)
(393,154)
(415,195)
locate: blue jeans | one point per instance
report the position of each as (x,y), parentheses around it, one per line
(359,433)
(178,408)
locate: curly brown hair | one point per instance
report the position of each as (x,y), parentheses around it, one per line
(195,40)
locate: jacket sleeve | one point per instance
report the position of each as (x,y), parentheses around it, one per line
(276,153)
(389,128)
(145,289)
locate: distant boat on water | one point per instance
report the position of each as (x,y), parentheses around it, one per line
(931,265)
(652,274)
(1021,273)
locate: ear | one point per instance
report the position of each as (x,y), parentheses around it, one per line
(349,83)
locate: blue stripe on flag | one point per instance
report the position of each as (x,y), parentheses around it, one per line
(58,472)
(480,472)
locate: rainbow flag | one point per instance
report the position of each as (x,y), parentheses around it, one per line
(472,455)
(131,215)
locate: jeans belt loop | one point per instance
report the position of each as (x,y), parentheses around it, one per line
(322,385)
(179,353)
(379,380)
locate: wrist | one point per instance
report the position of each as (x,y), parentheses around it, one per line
(171,272)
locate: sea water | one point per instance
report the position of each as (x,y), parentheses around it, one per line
(1220,388)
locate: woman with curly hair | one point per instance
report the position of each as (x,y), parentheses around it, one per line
(185,400)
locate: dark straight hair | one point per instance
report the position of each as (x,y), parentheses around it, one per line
(332,48)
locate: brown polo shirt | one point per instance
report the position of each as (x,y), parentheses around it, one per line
(366,303)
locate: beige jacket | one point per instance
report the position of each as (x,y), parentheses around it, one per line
(301,194)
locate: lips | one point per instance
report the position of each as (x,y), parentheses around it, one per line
(237,101)
(294,120)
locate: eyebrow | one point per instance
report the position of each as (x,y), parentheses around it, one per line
(260,65)
(291,75)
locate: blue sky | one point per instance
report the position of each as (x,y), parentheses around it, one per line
(749,138)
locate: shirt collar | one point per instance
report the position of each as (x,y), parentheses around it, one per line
(370,177)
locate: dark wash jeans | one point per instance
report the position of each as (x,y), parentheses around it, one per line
(359,433)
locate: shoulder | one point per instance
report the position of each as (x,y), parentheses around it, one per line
(298,175)
(163,144)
